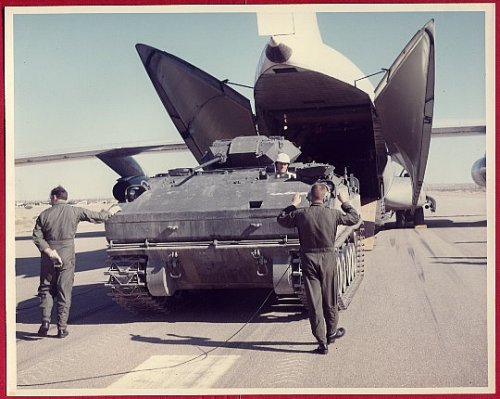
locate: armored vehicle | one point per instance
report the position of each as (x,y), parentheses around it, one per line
(214,226)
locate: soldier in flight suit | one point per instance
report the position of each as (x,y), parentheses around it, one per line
(317,227)
(54,234)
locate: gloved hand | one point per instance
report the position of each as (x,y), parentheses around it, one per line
(114,209)
(54,257)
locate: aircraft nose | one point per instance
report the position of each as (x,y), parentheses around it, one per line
(278,52)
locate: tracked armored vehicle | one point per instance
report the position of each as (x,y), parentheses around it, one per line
(214,226)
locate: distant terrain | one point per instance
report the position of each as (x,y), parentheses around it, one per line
(454,187)
(27,212)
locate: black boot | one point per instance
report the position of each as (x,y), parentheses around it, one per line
(44,329)
(336,335)
(322,349)
(62,333)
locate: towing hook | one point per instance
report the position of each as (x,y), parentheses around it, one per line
(261,262)
(175,267)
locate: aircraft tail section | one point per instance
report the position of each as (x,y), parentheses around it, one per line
(296,24)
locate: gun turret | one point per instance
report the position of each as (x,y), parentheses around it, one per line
(249,151)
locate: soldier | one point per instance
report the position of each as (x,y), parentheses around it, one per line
(54,234)
(281,166)
(317,227)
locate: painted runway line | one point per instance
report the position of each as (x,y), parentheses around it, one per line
(176,371)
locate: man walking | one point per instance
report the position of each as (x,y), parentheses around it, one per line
(54,234)
(317,227)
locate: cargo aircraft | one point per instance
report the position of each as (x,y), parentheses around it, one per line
(314,96)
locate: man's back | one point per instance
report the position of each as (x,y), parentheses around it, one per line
(317,226)
(60,222)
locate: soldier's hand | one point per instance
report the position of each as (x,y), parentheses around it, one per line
(343,196)
(296,199)
(54,256)
(114,209)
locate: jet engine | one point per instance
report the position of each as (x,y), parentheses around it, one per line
(127,189)
(478,172)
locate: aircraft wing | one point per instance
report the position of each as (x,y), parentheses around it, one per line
(453,131)
(478,169)
(119,159)
(404,102)
(203,108)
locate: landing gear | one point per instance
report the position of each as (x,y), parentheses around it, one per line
(418,217)
(404,218)
(400,219)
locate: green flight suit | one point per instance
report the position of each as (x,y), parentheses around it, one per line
(317,228)
(55,228)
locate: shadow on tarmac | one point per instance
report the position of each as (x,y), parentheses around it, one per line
(462,260)
(451,223)
(91,304)
(435,223)
(91,260)
(261,346)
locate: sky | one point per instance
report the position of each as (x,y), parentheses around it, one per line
(77,83)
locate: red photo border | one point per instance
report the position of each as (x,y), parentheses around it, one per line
(35,3)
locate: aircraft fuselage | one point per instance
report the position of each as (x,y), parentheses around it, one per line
(316,97)
(330,120)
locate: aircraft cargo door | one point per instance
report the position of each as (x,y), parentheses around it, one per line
(404,103)
(203,108)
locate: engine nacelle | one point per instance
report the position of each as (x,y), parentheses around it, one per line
(478,172)
(127,189)
(399,196)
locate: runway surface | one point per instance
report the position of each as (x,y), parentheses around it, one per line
(418,323)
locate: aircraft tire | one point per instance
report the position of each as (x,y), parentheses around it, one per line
(418,217)
(400,219)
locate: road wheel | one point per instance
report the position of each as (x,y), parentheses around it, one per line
(354,259)
(343,280)
(347,257)
(339,272)
(303,298)
(348,264)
